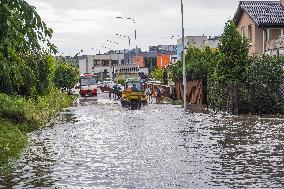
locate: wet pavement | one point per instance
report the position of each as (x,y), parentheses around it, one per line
(99,144)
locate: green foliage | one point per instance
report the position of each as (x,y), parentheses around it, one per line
(28,98)
(121,82)
(12,141)
(25,66)
(230,65)
(244,84)
(26,77)
(265,75)
(234,55)
(158,74)
(66,75)
(22,30)
(20,115)
(175,71)
(199,64)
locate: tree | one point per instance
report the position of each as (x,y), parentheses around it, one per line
(24,49)
(65,76)
(234,54)
(158,74)
(231,67)
(22,30)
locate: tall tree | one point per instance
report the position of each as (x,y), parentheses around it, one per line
(234,54)
(22,30)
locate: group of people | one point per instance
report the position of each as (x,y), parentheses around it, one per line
(157,93)
(116,91)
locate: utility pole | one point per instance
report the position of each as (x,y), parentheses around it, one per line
(183,61)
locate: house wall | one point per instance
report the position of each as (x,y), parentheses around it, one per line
(259,41)
(256,45)
(82,66)
(256,41)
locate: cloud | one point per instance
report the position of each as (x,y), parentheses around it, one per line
(87,24)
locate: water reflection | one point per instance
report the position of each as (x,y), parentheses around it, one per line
(101,145)
(251,152)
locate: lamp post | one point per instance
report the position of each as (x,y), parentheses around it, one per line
(129,39)
(183,60)
(94,49)
(135,32)
(113,42)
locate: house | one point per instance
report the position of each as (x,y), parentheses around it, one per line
(260,22)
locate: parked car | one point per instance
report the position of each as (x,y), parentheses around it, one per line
(106,86)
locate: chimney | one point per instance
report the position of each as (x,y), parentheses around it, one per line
(282,3)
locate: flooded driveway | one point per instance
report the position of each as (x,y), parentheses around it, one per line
(101,145)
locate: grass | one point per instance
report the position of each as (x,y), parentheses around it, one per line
(12,141)
(19,115)
(177,102)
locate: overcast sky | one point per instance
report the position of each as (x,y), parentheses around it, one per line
(87,24)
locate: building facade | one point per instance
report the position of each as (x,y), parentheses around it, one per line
(260,22)
(197,42)
(100,64)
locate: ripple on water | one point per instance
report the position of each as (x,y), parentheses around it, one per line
(101,145)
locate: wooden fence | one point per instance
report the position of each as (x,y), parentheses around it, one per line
(195,92)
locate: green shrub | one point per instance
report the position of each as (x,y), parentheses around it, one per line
(19,116)
(12,140)
(121,82)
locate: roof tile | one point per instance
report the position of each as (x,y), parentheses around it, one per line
(263,12)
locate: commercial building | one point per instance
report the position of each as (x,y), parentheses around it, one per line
(100,64)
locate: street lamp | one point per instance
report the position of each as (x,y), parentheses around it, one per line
(112,42)
(129,40)
(183,59)
(135,33)
(94,49)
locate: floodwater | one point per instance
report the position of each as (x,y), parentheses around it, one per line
(101,145)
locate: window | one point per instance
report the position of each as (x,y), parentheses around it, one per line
(96,63)
(105,62)
(114,62)
(243,33)
(250,33)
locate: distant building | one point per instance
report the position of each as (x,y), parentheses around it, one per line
(100,64)
(126,63)
(125,71)
(152,59)
(260,22)
(198,42)
(163,48)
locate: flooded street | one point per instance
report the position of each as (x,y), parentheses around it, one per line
(102,145)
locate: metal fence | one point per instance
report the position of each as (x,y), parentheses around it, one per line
(243,98)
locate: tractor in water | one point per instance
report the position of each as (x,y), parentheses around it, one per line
(133,96)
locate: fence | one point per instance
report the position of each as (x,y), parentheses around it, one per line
(196,92)
(243,98)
